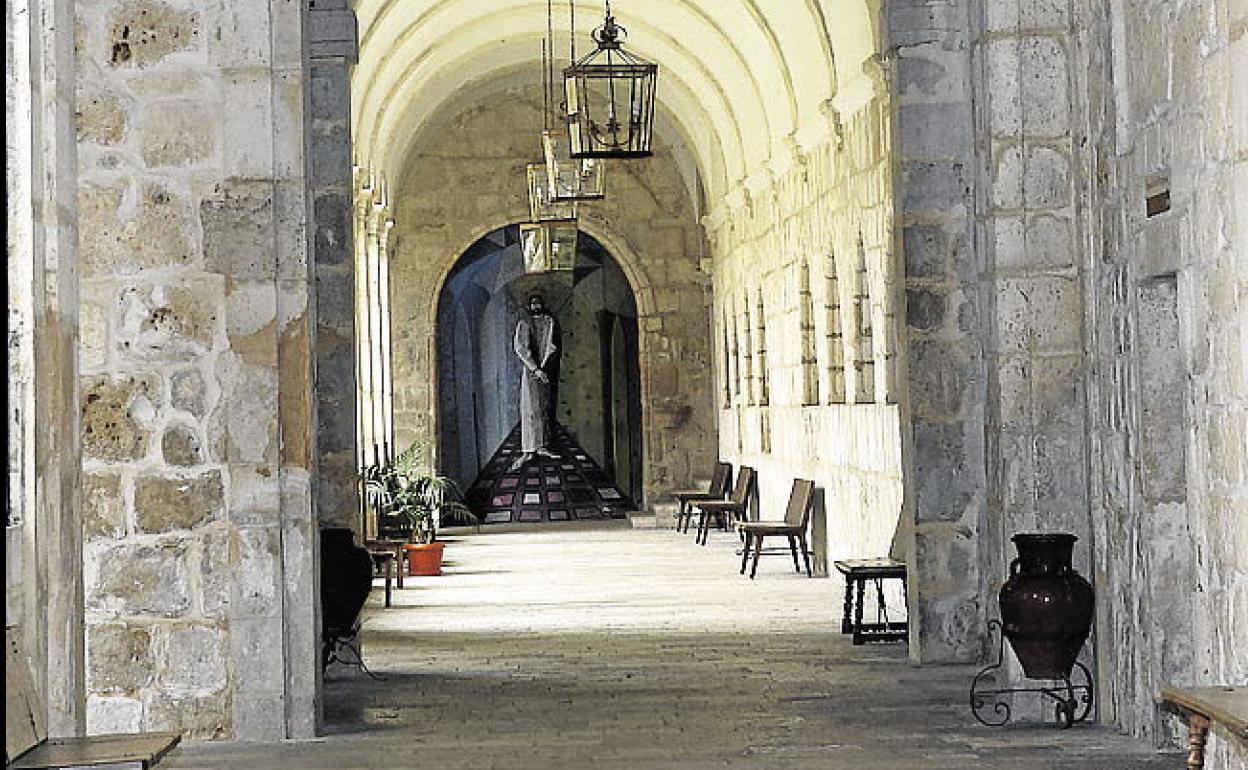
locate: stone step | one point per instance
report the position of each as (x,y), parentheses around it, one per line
(641,520)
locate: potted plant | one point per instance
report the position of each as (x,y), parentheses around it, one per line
(406,486)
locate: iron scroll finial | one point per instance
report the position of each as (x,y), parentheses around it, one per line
(610,34)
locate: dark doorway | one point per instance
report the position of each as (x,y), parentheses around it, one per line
(598,392)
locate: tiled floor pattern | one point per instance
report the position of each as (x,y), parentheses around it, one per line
(569,488)
(606,649)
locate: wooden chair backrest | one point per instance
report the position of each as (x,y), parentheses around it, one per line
(745,483)
(721,479)
(24,727)
(801,498)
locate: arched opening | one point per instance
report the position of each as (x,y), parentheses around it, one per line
(596,395)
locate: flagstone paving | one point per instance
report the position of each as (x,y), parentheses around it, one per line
(614,648)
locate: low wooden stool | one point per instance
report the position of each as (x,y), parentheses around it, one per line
(385,557)
(857,572)
(1203,706)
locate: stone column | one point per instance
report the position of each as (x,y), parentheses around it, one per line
(333,49)
(946,484)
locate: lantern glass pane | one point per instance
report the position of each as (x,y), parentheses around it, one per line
(542,207)
(547,246)
(572,178)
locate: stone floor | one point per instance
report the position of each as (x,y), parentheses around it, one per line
(618,648)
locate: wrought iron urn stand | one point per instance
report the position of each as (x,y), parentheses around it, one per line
(1046,613)
(1072,702)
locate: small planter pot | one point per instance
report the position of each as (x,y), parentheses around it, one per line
(424,559)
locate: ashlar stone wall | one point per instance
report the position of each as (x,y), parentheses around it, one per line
(806,309)
(469,179)
(198,425)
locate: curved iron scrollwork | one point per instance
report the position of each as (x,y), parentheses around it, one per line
(991,704)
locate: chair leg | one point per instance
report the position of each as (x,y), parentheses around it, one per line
(847,619)
(758,548)
(745,551)
(793,549)
(703,522)
(805,554)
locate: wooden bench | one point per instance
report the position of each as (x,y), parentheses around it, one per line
(1203,707)
(26,742)
(857,572)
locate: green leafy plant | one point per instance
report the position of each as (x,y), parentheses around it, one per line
(407,486)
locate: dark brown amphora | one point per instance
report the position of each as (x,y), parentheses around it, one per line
(1046,606)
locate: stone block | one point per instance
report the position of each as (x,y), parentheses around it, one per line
(1049,242)
(165,504)
(154,233)
(925,309)
(134,579)
(100,118)
(116,417)
(248,105)
(934,130)
(1007,179)
(189,392)
(192,660)
(1005,100)
(255,495)
(951,629)
(1046,181)
(938,377)
(93,331)
(258,663)
(1044,87)
(948,478)
(178,133)
(143,32)
(216,573)
(330,156)
(169,322)
(238,230)
(103,508)
(926,251)
(251,320)
(251,420)
(119,658)
(934,186)
(256,584)
(181,446)
(113,714)
(331,214)
(1042,314)
(204,718)
(330,92)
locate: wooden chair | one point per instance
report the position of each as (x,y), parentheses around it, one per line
(793,527)
(725,510)
(721,481)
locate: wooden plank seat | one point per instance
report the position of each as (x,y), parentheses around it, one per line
(26,742)
(721,481)
(858,572)
(724,511)
(1203,707)
(793,527)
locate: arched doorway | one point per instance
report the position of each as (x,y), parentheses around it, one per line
(597,401)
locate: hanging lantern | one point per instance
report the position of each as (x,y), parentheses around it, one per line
(610,98)
(542,205)
(572,179)
(547,246)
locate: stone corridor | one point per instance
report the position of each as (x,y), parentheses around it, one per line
(607,647)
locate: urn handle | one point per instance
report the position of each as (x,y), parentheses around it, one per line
(1014,566)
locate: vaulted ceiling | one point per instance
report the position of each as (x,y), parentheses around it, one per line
(740,81)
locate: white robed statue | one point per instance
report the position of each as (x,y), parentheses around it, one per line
(536,344)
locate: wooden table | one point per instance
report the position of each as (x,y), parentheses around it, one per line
(1202,707)
(857,572)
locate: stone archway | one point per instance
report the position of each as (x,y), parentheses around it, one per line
(597,408)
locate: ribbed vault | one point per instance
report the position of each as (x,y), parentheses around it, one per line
(740,80)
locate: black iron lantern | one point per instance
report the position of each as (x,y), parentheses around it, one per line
(610,98)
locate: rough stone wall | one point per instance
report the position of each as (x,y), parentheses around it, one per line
(196,393)
(468,179)
(1166,325)
(786,253)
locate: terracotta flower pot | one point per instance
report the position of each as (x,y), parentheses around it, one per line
(1046,606)
(424,558)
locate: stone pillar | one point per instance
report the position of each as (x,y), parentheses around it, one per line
(43,550)
(333,49)
(946,484)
